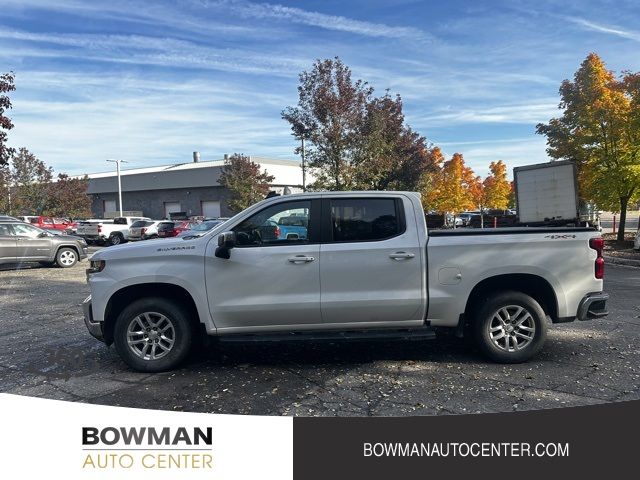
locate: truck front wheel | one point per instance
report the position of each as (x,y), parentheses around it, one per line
(153,335)
(510,327)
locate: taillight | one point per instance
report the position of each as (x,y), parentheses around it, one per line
(598,245)
(142,231)
(277,232)
(99,228)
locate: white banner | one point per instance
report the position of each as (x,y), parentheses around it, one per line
(42,438)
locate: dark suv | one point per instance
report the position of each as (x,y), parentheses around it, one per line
(21,242)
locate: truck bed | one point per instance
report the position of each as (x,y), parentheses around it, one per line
(507,231)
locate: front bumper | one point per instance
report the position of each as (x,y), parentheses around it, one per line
(593,305)
(95,328)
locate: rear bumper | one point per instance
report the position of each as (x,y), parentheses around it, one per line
(95,328)
(593,305)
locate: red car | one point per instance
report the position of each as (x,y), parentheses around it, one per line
(52,223)
(172,229)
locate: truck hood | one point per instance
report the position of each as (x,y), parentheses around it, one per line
(148,248)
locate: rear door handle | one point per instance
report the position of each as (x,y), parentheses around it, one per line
(401,255)
(301,259)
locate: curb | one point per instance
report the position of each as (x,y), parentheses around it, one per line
(621,261)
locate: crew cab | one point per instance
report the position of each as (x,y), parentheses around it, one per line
(368,267)
(112,232)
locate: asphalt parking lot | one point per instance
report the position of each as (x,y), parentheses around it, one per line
(45,351)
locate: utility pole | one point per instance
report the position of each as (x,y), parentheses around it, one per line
(117,162)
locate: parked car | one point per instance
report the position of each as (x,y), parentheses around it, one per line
(52,222)
(112,232)
(144,230)
(22,242)
(370,268)
(169,229)
(7,217)
(199,229)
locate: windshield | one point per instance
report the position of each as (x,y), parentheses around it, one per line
(205,226)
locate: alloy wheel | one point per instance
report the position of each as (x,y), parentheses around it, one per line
(512,328)
(151,335)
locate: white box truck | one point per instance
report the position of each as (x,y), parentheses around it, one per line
(547,194)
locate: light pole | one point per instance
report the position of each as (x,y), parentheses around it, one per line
(117,162)
(304,167)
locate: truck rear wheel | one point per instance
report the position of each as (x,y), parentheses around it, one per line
(115,239)
(510,327)
(153,335)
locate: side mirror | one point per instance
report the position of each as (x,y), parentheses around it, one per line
(43,234)
(226,241)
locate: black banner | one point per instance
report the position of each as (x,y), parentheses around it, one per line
(585,442)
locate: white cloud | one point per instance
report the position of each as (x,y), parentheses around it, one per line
(610,29)
(316,19)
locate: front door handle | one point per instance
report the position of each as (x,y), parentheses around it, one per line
(401,255)
(301,259)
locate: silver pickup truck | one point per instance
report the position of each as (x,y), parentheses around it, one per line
(367,266)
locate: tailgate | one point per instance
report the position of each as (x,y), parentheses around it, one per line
(88,230)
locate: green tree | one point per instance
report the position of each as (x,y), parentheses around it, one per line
(598,129)
(6,86)
(245,181)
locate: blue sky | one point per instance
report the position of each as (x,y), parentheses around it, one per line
(150,82)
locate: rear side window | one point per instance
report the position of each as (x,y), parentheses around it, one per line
(365,219)
(120,221)
(140,223)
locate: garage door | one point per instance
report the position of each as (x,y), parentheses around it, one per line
(171,207)
(211,209)
(109,206)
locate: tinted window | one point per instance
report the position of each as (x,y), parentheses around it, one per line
(264,228)
(120,221)
(4,230)
(360,220)
(165,226)
(141,223)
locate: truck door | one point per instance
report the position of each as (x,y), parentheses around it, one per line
(269,280)
(371,262)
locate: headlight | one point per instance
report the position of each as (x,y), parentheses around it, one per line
(96,266)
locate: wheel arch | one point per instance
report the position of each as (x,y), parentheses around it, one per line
(123,297)
(535,286)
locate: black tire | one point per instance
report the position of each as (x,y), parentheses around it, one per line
(500,315)
(155,308)
(66,257)
(115,239)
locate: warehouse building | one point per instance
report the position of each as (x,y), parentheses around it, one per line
(191,188)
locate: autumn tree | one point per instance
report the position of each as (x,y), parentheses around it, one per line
(598,130)
(356,140)
(391,156)
(30,179)
(452,186)
(245,181)
(67,197)
(497,188)
(331,110)
(6,86)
